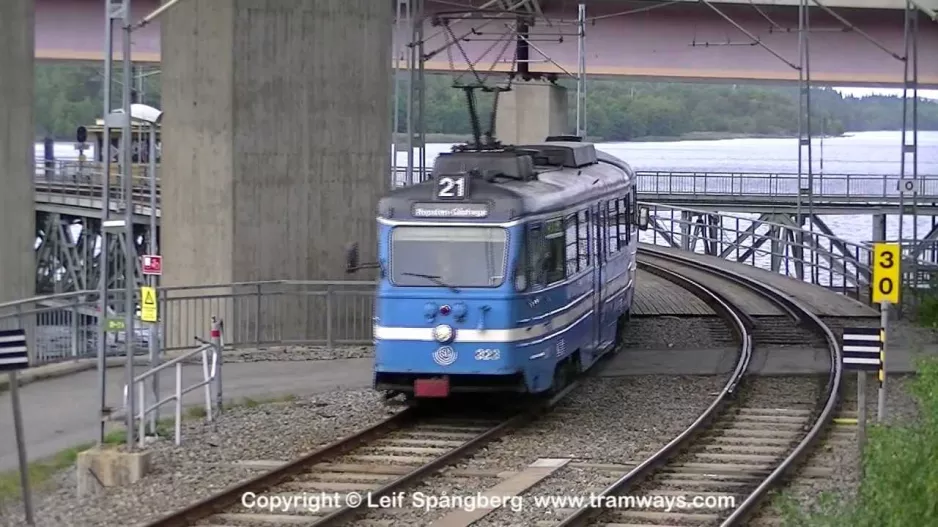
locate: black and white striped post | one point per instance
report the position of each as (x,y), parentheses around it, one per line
(14,356)
(863,350)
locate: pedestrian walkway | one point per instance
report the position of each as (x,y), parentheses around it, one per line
(61,413)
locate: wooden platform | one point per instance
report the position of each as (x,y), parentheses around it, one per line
(657,296)
(820,300)
(748,300)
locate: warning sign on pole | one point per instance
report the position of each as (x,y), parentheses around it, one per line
(152,265)
(148,305)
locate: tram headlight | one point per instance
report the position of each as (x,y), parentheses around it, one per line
(443,333)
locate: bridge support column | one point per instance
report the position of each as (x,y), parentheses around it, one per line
(277,137)
(530,112)
(17,213)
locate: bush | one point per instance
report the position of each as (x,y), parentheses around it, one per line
(900,484)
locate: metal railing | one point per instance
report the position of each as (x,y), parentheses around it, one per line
(814,256)
(819,258)
(658,186)
(68,177)
(210,354)
(64,327)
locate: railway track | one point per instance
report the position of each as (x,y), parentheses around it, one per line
(740,447)
(380,460)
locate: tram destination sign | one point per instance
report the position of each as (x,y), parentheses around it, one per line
(450,210)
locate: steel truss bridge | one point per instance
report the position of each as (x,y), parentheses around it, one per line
(691,211)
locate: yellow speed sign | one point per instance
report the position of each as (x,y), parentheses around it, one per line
(886,259)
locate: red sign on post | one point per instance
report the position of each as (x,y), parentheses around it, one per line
(152,265)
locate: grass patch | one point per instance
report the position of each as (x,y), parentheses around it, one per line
(42,471)
(900,467)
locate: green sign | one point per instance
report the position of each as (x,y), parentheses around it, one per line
(116,324)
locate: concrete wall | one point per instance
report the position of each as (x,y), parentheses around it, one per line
(530,112)
(17,215)
(277,134)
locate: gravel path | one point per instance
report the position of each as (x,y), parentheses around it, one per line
(298,353)
(199,467)
(607,420)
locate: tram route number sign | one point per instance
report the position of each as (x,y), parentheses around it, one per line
(886,260)
(452,187)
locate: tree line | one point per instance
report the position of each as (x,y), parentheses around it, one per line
(69,95)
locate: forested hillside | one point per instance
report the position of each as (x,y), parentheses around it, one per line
(70,95)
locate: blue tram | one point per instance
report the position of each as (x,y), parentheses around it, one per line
(510,270)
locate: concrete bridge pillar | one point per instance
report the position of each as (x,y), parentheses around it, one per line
(17,132)
(530,112)
(277,143)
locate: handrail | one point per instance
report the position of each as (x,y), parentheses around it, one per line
(211,371)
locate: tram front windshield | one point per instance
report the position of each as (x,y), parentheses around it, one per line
(456,256)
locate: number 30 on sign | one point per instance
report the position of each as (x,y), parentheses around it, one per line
(886,273)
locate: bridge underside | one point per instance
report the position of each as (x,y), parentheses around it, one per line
(681,41)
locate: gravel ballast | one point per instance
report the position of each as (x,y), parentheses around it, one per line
(605,421)
(201,466)
(840,454)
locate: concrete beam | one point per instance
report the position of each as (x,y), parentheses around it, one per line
(530,112)
(17,133)
(277,126)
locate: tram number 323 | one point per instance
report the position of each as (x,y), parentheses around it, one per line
(488,354)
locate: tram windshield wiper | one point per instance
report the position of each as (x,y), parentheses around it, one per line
(436,279)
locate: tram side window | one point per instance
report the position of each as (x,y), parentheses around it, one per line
(612,226)
(572,247)
(583,238)
(553,250)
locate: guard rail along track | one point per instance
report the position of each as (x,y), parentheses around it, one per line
(744,325)
(424,440)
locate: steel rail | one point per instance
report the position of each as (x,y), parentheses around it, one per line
(218,503)
(793,308)
(742,324)
(829,400)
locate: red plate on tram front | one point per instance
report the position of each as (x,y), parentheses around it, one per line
(438,387)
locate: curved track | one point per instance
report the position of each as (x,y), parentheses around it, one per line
(741,449)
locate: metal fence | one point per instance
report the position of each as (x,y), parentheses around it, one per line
(65,327)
